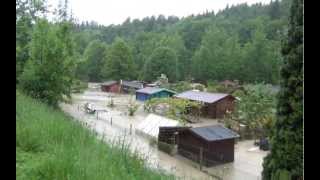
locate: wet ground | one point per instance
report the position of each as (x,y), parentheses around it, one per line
(114,123)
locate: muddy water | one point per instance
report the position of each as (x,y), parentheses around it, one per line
(155,158)
(247,165)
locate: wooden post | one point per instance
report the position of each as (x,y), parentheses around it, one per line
(130,129)
(111,121)
(201,157)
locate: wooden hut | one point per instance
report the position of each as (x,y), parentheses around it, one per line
(131,86)
(110,86)
(153,92)
(214,105)
(209,145)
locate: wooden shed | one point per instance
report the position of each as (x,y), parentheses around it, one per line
(110,86)
(153,92)
(209,145)
(214,105)
(131,86)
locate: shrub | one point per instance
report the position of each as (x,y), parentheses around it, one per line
(132,108)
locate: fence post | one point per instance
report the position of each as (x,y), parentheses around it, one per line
(130,129)
(201,157)
(111,121)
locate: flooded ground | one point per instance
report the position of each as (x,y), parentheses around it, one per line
(113,123)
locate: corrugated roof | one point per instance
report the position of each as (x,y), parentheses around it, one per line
(201,96)
(214,133)
(133,84)
(150,125)
(152,90)
(108,83)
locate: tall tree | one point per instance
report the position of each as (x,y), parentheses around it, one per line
(175,43)
(27,11)
(119,61)
(261,59)
(162,61)
(275,11)
(218,56)
(287,137)
(48,74)
(94,57)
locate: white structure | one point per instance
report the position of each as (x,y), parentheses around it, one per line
(150,125)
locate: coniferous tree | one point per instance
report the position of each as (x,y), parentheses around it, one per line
(287,137)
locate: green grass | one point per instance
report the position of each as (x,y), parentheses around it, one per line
(50,145)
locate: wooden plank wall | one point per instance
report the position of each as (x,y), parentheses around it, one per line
(168,134)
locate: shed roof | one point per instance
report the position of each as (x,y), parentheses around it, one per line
(152,90)
(150,125)
(133,84)
(202,96)
(214,133)
(108,83)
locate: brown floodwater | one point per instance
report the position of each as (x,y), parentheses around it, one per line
(114,123)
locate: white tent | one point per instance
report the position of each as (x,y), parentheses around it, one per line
(150,125)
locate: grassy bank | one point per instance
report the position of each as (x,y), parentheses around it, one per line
(49,145)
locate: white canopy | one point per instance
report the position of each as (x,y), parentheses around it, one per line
(150,125)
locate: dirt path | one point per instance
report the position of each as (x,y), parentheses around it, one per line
(247,165)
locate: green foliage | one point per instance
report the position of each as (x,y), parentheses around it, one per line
(218,56)
(255,108)
(240,42)
(180,86)
(94,55)
(26,13)
(281,175)
(178,109)
(50,145)
(48,74)
(261,60)
(132,108)
(176,43)
(78,86)
(199,87)
(221,57)
(287,132)
(162,61)
(119,61)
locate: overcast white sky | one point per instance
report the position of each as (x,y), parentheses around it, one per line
(108,12)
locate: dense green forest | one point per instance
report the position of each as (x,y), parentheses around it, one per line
(239,42)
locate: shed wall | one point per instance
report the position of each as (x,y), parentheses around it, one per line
(215,152)
(111,88)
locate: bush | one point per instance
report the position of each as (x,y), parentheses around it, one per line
(180,86)
(177,108)
(132,108)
